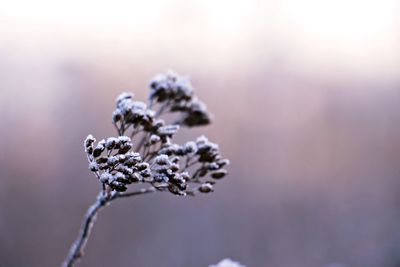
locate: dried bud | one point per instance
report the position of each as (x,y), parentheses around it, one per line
(154,139)
(124,96)
(89,144)
(158,124)
(117,116)
(142,166)
(185,176)
(125,148)
(170,87)
(174,167)
(117,167)
(120,177)
(93,166)
(101,160)
(168,130)
(135,177)
(124,139)
(105,177)
(223,162)
(174,159)
(98,150)
(190,148)
(196,114)
(112,161)
(132,158)
(206,188)
(145,173)
(213,166)
(219,174)
(121,158)
(111,143)
(162,160)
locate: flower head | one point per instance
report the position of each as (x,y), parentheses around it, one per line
(156,159)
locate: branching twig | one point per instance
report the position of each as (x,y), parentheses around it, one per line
(77,249)
(156,160)
(78,246)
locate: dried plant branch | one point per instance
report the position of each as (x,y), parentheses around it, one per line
(156,161)
(76,250)
(139,192)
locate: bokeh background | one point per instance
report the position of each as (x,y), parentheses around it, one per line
(306,98)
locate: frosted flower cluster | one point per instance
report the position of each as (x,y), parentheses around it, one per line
(144,151)
(228,263)
(175,93)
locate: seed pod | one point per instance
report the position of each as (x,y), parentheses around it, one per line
(145,173)
(154,139)
(93,166)
(175,190)
(121,158)
(162,160)
(132,158)
(190,148)
(175,160)
(203,172)
(160,177)
(124,139)
(118,186)
(105,177)
(125,148)
(185,176)
(213,166)
(174,167)
(219,174)
(111,142)
(112,161)
(135,177)
(98,150)
(158,124)
(89,144)
(142,166)
(101,160)
(223,162)
(124,169)
(124,96)
(116,116)
(206,188)
(120,177)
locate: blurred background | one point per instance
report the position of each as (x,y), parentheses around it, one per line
(306,98)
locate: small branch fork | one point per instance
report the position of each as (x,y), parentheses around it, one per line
(106,196)
(77,248)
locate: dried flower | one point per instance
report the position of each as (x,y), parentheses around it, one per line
(206,188)
(170,87)
(175,93)
(155,159)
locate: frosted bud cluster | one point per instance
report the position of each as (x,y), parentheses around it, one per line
(144,151)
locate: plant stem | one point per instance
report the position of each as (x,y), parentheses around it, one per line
(77,248)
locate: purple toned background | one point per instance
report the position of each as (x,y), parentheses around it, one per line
(306,96)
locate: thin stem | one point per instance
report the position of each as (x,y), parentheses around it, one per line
(141,143)
(134,193)
(162,109)
(77,248)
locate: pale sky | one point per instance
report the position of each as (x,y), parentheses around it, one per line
(363,35)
